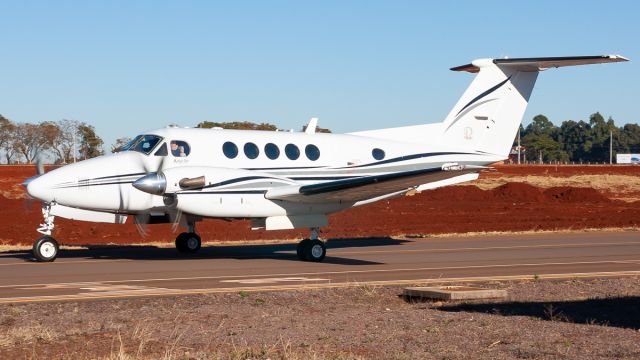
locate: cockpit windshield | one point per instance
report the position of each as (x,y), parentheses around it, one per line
(142,144)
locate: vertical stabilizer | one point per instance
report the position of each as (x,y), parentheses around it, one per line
(487,116)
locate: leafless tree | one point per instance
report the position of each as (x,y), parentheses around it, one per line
(60,138)
(30,140)
(7,139)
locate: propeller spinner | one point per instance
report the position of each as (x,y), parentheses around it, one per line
(153,183)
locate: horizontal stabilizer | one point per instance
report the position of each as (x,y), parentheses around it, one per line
(542,63)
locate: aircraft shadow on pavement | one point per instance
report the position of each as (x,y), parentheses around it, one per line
(623,312)
(239,252)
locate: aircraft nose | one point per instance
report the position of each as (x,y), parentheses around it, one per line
(38,188)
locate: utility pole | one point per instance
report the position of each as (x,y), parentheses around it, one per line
(518,145)
(610,147)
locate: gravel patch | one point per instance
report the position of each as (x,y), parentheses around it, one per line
(571,319)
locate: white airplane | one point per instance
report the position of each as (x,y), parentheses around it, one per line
(287,180)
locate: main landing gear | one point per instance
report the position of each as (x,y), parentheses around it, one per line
(189,242)
(46,248)
(312,249)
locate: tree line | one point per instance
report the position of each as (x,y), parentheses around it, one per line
(541,140)
(61,141)
(247,125)
(577,141)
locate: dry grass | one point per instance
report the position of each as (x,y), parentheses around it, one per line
(282,349)
(622,187)
(28,334)
(6,246)
(541,319)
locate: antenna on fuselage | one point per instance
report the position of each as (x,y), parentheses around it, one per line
(312,126)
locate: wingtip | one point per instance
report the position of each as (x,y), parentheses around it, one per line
(619,57)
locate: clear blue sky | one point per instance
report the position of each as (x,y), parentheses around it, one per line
(130,66)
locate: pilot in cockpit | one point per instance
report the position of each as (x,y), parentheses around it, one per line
(177,150)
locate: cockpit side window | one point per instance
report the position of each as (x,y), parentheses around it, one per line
(162,150)
(180,148)
(143,144)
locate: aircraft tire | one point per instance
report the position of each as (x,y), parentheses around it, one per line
(300,249)
(188,242)
(315,251)
(193,243)
(180,242)
(45,249)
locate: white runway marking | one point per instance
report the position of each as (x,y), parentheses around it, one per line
(273,280)
(166,292)
(320,273)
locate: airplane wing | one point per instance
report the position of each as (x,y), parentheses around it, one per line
(368,187)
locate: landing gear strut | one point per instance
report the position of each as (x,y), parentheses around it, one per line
(312,249)
(45,248)
(189,242)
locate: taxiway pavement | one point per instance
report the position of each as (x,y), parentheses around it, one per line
(118,272)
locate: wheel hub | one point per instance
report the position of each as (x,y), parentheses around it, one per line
(47,250)
(192,243)
(316,251)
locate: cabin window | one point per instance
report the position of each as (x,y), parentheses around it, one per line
(162,151)
(251,150)
(377,154)
(180,148)
(292,151)
(272,151)
(312,152)
(230,150)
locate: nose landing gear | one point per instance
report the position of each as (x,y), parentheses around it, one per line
(45,248)
(312,249)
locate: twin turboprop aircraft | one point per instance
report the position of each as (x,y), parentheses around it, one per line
(287,180)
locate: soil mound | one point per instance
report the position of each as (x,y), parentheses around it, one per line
(458,193)
(444,210)
(520,192)
(575,194)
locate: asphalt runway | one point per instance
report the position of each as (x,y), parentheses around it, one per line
(119,272)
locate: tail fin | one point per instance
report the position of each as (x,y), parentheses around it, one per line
(487,116)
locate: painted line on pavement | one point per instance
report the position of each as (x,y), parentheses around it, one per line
(321,273)
(313,287)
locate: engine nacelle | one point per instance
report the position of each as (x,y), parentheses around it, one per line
(175,180)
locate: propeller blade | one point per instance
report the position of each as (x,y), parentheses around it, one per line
(39,166)
(176,221)
(141,221)
(28,202)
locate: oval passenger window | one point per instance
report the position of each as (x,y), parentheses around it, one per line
(272,151)
(251,150)
(377,154)
(230,150)
(312,152)
(292,151)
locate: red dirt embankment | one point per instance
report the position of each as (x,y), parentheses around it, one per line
(509,207)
